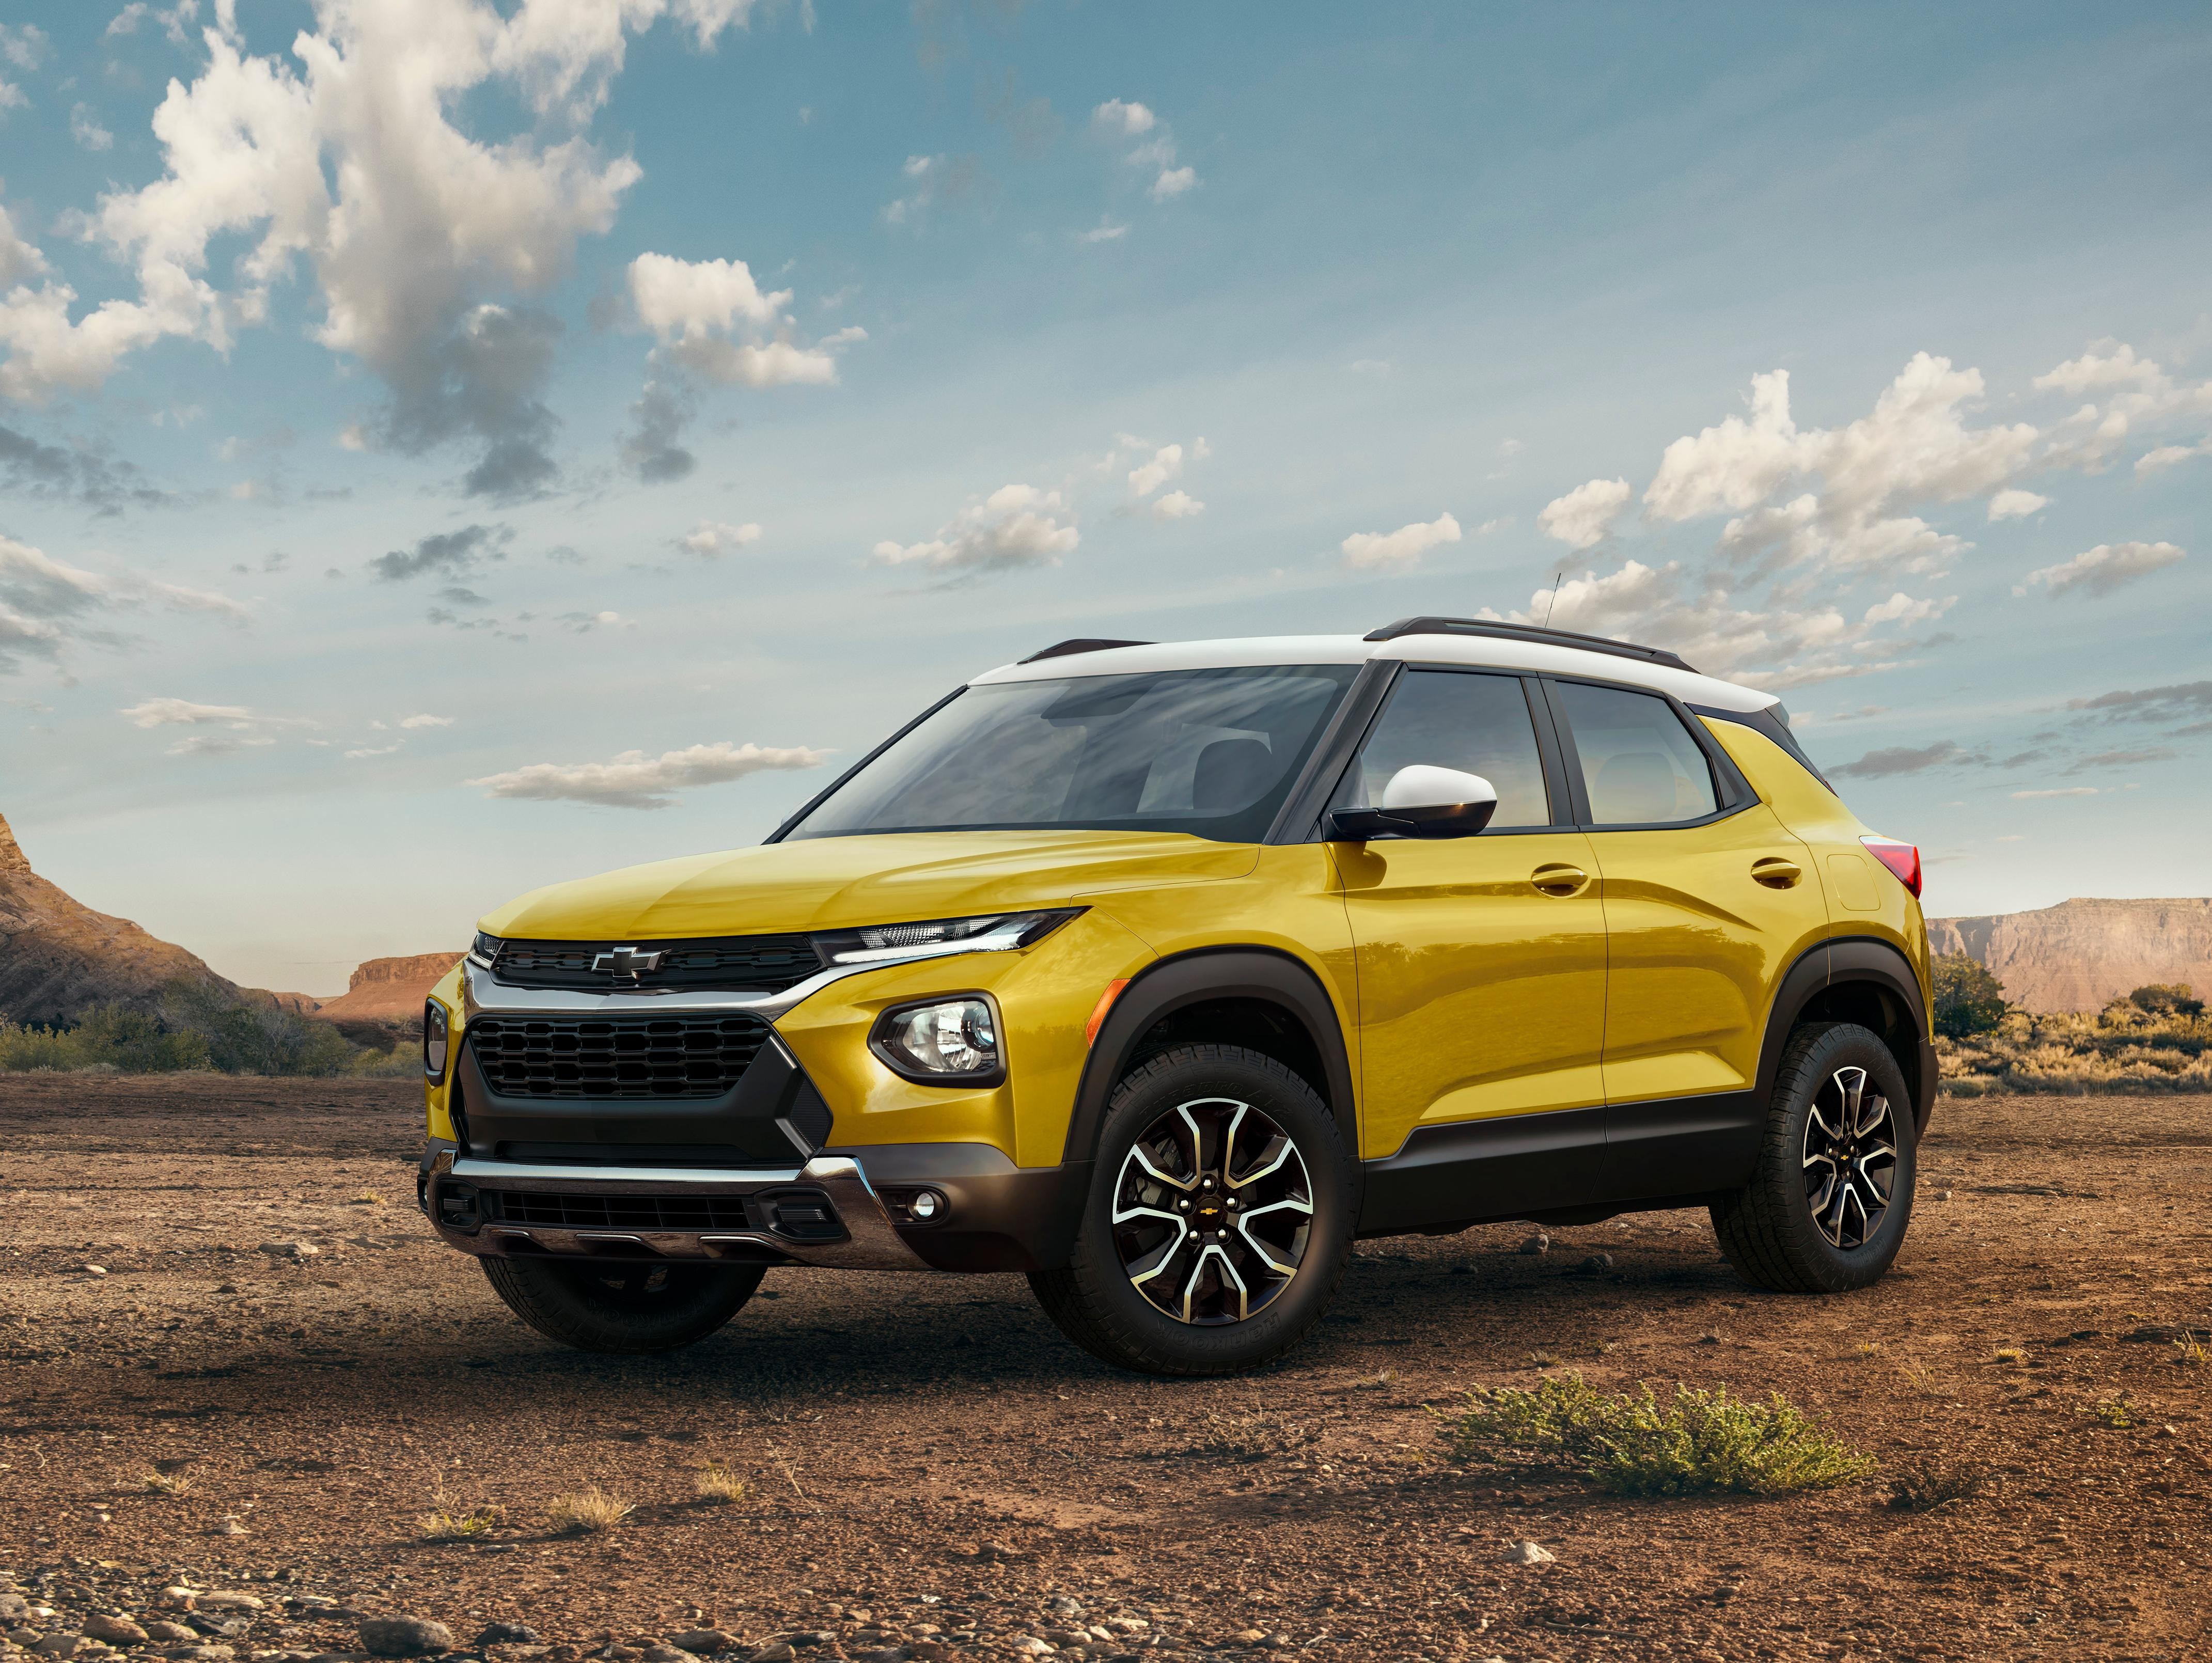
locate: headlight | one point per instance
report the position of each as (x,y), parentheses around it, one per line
(435,1030)
(484,949)
(995,932)
(944,1042)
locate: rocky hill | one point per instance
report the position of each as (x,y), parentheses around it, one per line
(58,957)
(389,989)
(2081,954)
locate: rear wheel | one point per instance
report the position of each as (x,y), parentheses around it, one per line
(1827,1208)
(1219,1219)
(603,1307)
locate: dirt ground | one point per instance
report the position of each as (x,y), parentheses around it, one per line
(930,1465)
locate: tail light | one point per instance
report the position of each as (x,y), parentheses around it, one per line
(1900,857)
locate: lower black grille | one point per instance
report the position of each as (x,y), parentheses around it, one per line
(614,1057)
(616,1212)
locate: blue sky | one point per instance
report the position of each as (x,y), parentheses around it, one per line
(654,403)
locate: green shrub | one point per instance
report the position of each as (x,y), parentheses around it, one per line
(1968,1000)
(2167,998)
(255,1039)
(1634,1445)
(108,1036)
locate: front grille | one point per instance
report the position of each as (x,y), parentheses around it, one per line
(617,1212)
(614,1057)
(762,963)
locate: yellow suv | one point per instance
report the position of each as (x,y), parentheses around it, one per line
(1162,973)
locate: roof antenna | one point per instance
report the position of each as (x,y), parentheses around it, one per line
(1554,600)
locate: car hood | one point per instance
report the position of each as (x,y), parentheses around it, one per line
(841,882)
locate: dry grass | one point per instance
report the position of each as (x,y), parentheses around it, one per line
(2192,1352)
(450,1520)
(2011,1354)
(168,1483)
(2122,1048)
(718,1484)
(586,1510)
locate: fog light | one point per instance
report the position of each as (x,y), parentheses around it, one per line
(458,1208)
(927,1207)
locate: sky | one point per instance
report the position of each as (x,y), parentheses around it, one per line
(448,447)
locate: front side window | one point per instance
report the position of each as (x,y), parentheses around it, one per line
(1210,752)
(1450,719)
(1640,765)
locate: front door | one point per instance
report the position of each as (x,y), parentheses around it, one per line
(1708,900)
(1481,963)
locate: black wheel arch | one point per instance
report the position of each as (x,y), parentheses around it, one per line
(1862,980)
(1259,998)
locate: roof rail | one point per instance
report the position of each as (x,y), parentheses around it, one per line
(1080,644)
(1528,632)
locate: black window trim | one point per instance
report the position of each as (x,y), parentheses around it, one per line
(1730,789)
(1314,828)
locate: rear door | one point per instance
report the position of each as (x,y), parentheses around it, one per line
(1481,960)
(1708,899)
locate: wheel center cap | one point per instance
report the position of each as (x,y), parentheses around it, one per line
(1208,1214)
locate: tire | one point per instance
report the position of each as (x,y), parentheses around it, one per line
(1141,1291)
(1816,1218)
(609,1306)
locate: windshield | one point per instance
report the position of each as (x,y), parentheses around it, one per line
(1210,752)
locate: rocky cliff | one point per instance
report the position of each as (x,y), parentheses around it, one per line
(58,956)
(389,989)
(2081,954)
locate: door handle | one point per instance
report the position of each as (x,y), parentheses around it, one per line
(1777,873)
(1555,877)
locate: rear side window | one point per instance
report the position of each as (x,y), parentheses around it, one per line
(1450,720)
(1640,765)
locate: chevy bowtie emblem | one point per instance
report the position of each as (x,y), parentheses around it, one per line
(627,962)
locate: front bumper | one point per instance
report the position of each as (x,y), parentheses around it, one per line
(840,1210)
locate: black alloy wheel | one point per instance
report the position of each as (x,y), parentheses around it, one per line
(1830,1196)
(1851,1158)
(1220,1218)
(1212,1211)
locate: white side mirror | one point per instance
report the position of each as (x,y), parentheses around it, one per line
(1422,801)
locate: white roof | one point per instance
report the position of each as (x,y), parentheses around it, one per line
(1494,652)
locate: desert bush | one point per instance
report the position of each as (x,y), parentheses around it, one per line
(1634,1445)
(2153,1040)
(717,1484)
(255,1039)
(106,1037)
(450,1520)
(1928,1485)
(587,1510)
(1968,998)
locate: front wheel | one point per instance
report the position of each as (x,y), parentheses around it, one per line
(606,1306)
(1219,1219)
(1827,1210)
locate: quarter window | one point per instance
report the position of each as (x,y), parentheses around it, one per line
(1640,765)
(1451,720)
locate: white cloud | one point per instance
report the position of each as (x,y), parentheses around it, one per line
(2136,393)
(712,320)
(712,538)
(1166,464)
(426,721)
(2062,790)
(932,181)
(635,780)
(2016,505)
(1015,526)
(85,128)
(1172,183)
(47,606)
(1901,608)
(217,744)
(1116,120)
(2150,462)
(167,713)
(1176,505)
(1399,550)
(1105,231)
(2104,568)
(374,751)
(26,47)
(343,151)
(1123,119)
(1585,514)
